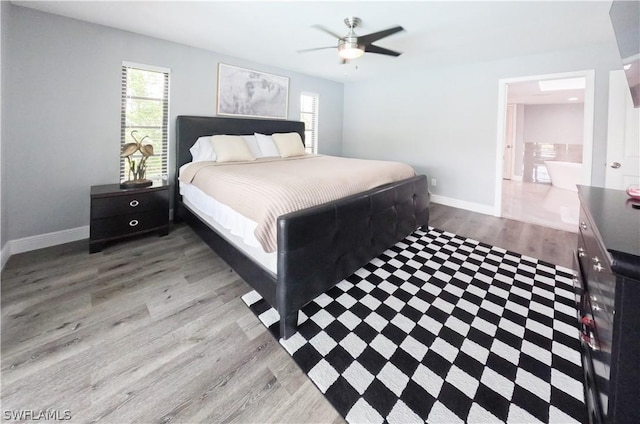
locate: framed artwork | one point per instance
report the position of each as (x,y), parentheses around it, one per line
(244,92)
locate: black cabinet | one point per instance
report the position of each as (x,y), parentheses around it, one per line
(118,213)
(608,262)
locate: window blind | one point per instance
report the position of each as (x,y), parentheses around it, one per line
(309,115)
(145,110)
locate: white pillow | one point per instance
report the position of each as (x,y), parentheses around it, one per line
(267,145)
(231,148)
(252,144)
(202,150)
(289,144)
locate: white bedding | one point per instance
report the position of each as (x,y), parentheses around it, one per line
(233,226)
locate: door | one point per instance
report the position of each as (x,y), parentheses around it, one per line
(509,140)
(623,135)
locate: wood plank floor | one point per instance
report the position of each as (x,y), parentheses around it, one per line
(154,330)
(547,244)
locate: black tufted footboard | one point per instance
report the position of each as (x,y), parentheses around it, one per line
(320,246)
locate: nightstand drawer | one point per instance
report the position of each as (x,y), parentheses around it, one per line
(117,226)
(129,203)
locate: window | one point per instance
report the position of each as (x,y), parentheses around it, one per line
(145,109)
(309,115)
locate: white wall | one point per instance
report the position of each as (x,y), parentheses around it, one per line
(63,128)
(559,123)
(443,121)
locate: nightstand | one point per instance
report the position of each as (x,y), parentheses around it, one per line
(118,213)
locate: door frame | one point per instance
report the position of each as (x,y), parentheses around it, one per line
(622,119)
(587,146)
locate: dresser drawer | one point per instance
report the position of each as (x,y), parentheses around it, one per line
(125,204)
(592,257)
(121,225)
(592,396)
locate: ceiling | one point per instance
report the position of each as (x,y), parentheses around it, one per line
(436,33)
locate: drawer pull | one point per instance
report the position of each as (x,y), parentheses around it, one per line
(596,264)
(594,303)
(587,333)
(133,222)
(134,203)
(583,225)
(581,252)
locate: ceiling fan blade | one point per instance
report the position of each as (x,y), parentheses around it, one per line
(375,36)
(316,48)
(328,31)
(370,48)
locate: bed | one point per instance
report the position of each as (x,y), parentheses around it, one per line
(316,247)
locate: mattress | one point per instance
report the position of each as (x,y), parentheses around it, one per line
(231,225)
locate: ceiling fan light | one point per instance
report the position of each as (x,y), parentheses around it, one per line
(350,50)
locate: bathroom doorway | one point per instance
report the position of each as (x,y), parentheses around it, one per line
(544,145)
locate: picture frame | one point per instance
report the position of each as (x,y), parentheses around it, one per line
(250,93)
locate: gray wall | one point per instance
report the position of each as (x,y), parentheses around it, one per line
(4,28)
(562,123)
(63,127)
(519,142)
(444,121)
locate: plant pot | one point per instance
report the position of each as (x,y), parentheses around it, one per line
(136,184)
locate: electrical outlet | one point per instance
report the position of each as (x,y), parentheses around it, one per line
(434,182)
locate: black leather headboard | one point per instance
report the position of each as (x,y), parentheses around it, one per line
(189,128)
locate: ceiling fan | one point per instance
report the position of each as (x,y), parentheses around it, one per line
(352,46)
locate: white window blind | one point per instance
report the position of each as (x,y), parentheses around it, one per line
(145,109)
(309,115)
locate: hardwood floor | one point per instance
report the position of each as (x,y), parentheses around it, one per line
(547,244)
(154,330)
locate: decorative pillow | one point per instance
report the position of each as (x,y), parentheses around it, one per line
(203,150)
(231,148)
(289,144)
(252,144)
(267,145)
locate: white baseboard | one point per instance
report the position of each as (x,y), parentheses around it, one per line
(27,244)
(5,253)
(463,204)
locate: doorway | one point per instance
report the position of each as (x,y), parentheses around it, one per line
(544,147)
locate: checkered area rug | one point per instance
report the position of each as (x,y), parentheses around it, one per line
(443,329)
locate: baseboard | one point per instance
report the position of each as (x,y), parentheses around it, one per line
(463,204)
(27,244)
(5,253)
(40,241)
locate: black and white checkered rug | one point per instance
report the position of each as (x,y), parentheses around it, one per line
(443,329)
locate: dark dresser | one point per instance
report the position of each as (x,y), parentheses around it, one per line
(608,286)
(118,213)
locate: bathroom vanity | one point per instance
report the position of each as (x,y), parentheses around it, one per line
(608,297)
